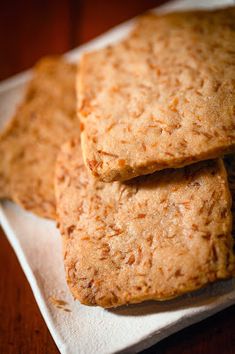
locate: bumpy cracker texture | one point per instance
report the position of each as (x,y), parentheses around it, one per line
(154,237)
(164,97)
(30,142)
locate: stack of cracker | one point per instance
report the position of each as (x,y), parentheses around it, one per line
(143,202)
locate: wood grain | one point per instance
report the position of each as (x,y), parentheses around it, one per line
(30,29)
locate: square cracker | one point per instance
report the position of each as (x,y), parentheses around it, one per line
(164,97)
(155,237)
(30,142)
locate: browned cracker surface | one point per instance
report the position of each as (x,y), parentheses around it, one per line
(29,144)
(164,97)
(154,237)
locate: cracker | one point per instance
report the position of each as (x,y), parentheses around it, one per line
(155,237)
(164,97)
(29,144)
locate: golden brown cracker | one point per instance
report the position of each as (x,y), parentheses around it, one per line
(29,144)
(164,97)
(155,237)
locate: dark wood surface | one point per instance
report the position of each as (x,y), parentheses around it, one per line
(28,30)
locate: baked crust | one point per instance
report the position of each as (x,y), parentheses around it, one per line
(29,144)
(155,237)
(162,98)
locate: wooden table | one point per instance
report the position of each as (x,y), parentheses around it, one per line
(29,30)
